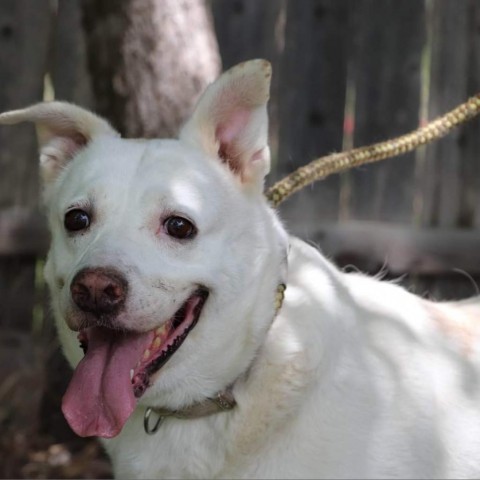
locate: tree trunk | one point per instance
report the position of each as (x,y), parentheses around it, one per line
(149,61)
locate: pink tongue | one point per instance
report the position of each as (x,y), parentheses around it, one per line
(100,396)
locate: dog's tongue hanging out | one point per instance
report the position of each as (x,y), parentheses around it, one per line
(100,396)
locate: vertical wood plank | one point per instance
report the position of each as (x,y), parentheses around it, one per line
(312,103)
(389,41)
(248,29)
(470,192)
(70,77)
(24,40)
(451,172)
(448,87)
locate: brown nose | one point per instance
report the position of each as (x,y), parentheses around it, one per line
(99,290)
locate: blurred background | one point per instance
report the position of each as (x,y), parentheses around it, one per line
(346,73)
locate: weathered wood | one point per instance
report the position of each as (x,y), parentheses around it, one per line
(149,61)
(24,34)
(442,174)
(70,78)
(248,29)
(389,41)
(23,232)
(457,285)
(312,103)
(24,40)
(374,246)
(470,191)
(450,172)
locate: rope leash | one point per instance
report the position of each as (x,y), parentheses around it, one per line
(322,167)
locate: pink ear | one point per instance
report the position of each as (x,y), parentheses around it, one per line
(230,121)
(228,131)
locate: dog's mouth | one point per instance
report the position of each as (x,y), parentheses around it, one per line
(117,369)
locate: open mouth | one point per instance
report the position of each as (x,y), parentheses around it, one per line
(166,341)
(117,368)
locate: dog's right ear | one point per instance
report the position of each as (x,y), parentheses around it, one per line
(230,121)
(63,130)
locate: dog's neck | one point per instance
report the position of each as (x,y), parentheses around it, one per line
(223,401)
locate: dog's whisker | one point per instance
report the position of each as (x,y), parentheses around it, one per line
(162,286)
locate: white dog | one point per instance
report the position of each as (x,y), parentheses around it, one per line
(166,262)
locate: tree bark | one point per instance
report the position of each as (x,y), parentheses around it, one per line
(149,61)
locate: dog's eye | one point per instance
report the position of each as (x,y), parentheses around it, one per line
(179,227)
(76,220)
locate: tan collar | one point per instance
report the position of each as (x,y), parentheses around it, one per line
(222,402)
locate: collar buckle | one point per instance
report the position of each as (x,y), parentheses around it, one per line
(221,402)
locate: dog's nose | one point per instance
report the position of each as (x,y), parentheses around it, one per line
(99,290)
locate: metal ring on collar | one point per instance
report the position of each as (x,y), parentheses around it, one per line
(146,422)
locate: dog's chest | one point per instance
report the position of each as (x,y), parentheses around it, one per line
(180,449)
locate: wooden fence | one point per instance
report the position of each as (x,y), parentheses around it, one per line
(346,73)
(349,73)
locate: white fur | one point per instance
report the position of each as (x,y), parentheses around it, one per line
(354,378)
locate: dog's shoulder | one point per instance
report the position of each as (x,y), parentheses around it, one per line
(459,321)
(381,311)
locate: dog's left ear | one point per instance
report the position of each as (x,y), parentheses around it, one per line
(230,121)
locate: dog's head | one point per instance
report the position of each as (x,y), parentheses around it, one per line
(158,244)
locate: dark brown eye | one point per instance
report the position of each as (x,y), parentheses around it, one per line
(179,227)
(76,220)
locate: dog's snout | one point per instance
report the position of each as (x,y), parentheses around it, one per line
(99,290)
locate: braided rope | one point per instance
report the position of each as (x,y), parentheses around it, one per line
(321,167)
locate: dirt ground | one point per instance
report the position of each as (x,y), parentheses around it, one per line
(26,454)
(35,440)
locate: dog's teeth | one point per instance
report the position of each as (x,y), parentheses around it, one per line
(131,374)
(160,330)
(146,354)
(156,343)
